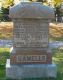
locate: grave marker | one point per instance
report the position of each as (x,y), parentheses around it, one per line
(31,51)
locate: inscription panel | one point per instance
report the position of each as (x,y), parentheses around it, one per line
(31,58)
(30,33)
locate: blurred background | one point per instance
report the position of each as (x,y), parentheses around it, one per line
(55,34)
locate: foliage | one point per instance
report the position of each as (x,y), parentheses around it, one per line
(5,13)
(57,6)
(1,15)
(57,2)
(7,3)
(5,10)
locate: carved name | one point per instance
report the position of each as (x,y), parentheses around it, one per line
(31,58)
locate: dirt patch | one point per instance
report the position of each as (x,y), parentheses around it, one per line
(56,30)
(6,30)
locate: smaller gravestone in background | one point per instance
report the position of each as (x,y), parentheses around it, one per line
(30,56)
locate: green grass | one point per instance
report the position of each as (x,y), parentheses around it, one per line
(56,38)
(4,54)
(57,58)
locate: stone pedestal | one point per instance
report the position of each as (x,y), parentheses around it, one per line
(30,56)
(30,70)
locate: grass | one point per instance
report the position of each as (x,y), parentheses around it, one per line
(4,54)
(56,38)
(57,58)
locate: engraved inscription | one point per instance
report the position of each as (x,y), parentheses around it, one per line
(31,34)
(31,58)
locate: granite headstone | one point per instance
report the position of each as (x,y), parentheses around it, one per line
(30,56)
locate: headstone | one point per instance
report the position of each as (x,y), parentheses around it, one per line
(30,56)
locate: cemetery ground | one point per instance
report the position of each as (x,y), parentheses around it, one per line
(56,34)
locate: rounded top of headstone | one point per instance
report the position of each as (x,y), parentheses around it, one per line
(31,10)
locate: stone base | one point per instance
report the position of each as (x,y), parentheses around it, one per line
(30,56)
(30,70)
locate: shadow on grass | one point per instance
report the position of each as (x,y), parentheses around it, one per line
(34,79)
(2,71)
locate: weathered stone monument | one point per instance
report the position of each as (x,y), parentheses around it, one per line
(30,56)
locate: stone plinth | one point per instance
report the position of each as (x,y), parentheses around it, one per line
(26,56)
(30,71)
